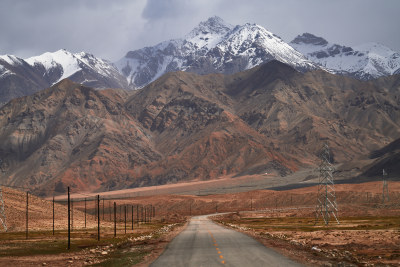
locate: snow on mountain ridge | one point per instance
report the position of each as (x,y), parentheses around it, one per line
(11,59)
(243,40)
(365,61)
(67,64)
(102,66)
(63,58)
(209,33)
(212,46)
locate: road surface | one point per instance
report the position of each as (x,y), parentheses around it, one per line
(204,243)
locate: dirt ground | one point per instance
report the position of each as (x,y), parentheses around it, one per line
(366,236)
(368,233)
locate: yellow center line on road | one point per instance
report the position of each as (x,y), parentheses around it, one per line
(216,245)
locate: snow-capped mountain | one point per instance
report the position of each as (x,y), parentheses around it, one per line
(214,46)
(20,77)
(364,62)
(81,67)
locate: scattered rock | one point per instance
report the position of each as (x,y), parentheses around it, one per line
(316,249)
(104,253)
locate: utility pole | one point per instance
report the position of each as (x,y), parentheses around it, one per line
(69,221)
(115,219)
(72,215)
(98,217)
(85,212)
(137,214)
(53,215)
(132,216)
(125,216)
(385,190)
(326,197)
(3,218)
(150,212)
(27,213)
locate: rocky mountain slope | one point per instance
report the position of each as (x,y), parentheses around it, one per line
(269,119)
(19,77)
(386,158)
(70,134)
(367,61)
(214,46)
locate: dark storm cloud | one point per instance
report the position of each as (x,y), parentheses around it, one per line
(111,28)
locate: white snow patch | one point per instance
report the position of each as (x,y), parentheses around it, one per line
(10,59)
(6,73)
(99,65)
(63,58)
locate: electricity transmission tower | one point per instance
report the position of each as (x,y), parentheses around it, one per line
(326,198)
(2,213)
(385,191)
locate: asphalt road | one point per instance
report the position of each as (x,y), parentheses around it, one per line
(204,243)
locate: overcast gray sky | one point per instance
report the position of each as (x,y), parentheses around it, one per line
(110,28)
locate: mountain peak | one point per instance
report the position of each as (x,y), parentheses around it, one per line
(216,24)
(213,25)
(308,38)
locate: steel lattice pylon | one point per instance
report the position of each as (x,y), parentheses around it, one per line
(326,198)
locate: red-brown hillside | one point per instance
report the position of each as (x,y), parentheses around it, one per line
(185,126)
